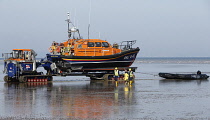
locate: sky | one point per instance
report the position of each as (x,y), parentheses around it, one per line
(162,28)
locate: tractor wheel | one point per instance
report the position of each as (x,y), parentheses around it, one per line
(48,72)
(6,78)
(22,79)
(50,78)
(105,77)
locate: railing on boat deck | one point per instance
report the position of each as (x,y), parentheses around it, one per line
(126,45)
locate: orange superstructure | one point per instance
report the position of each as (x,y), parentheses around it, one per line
(84,47)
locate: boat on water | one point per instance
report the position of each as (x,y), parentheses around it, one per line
(78,53)
(183,76)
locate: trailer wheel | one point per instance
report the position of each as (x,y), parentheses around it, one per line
(108,76)
(96,78)
(105,77)
(92,78)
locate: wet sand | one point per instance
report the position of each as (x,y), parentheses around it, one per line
(79,99)
(150,97)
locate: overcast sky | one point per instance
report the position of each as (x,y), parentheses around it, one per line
(162,28)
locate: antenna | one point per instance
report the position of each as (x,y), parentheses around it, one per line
(75,16)
(68,22)
(89,21)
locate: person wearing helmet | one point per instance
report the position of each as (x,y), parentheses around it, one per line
(198,72)
(116,74)
(126,77)
(130,75)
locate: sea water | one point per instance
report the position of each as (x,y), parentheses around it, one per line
(150,97)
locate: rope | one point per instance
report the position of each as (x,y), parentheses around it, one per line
(147,73)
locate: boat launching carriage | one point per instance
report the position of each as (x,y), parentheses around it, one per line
(77,54)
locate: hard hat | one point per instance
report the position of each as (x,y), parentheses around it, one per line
(116,68)
(129,68)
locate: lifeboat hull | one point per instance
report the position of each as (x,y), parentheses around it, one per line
(123,59)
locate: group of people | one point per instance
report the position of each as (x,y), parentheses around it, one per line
(60,49)
(128,75)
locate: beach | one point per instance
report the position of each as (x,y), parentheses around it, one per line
(150,97)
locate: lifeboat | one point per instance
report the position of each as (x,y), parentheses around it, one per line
(78,53)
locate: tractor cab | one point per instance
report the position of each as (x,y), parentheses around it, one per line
(20,55)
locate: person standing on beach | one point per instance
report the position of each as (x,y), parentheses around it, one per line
(126,77)
(116,75)
(130,75)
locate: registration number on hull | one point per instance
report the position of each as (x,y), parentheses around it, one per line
(129,57)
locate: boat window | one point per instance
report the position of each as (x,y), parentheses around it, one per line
(105,44)
(90,44)
(98,44)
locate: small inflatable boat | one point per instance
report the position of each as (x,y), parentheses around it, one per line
(184,76)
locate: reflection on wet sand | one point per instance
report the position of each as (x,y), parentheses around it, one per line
(22,98)
(179,81)
(96,99)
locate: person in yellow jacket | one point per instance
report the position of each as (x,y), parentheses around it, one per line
(130,75)
(116,74)
(126,76)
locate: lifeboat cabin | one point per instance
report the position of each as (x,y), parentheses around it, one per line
(84,47)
